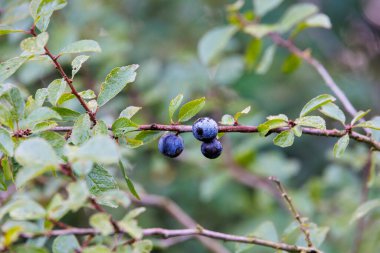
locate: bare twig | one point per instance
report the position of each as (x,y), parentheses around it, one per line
(181,216)
(170,233)
(293,210)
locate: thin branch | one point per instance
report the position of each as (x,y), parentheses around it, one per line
(170,233)
(293,210)
(253,129)
(68,80)
(180,215)
(322,71)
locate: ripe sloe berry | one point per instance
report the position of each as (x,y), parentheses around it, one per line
(212,149)
(170,145)
(205,129)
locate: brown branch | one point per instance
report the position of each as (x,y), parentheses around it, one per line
(177,213)
(322,71)
(170,233)
(68,80)
(253,129)
(293,210)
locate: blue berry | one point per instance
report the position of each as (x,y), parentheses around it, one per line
(205,129)
(170,145)
(212,149)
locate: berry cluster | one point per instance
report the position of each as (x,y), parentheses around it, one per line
(204,129)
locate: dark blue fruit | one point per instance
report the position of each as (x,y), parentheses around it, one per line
(170,145)
(205,129)
(212,149)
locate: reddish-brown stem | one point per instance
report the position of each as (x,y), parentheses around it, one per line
(68,80)
(253,129)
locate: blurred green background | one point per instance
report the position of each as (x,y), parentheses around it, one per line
(162,37)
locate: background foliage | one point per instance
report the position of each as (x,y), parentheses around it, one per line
(163,38)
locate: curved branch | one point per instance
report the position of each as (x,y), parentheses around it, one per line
(170,233)
(177,213)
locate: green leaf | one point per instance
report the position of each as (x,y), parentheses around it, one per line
(318,20)
(15,98)
(27,209)
(213,42)
(87,94)
(284,139)
(271,124)
(317,235)
(341,146)
(37,157)
(129,112)
(65,244)
(333,111)
(55,90)
(80,47)
(56,140)
(174,105)
(297,130)
(266,60)
(252,53)
(115,82)
(36,152)
(369,124)
(10,66)
(66,113)
(41,95)
(148,136)
(114,198)
(101,222)
(41,114)
(99,181)
(364,209)
(6,142)
(4,29)
(316,103)
(260,30)
(35,45)
(282,117)
(291,64)
(190,109)
(122,126)
(99,149)
(262,7)
(100,128)
(81,130)
(296,14)
(30,249)
(359,115)
(6,166)
(97,249)
(143,246)
(227,120)
(77,64)
(130,185)
(244,111)
(312,121)
(41,11)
